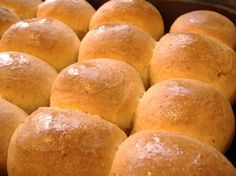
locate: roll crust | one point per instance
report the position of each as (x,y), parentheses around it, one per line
(136,12)
(50,40)
(10,117)
(158,153)
(105,87)
(62,142)
(188,107)
(208,23)
(76,14)
(24,8)
(121,42)
(188,55)
(7,18)
(26,81)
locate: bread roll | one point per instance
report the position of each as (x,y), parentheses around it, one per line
(10,117)
(76,14)
(49,40)
(208,23)
(189,107)
(122,42)
(152,153)
(24,8)
(136,12)
(7,18)
(25,80)
(185,55)
(105,87)
(56,142)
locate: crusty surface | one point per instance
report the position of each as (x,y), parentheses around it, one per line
(106,87)
(122,42)
(185,55)
(209,23)
(189,107)
(136,12)
(24,8)
(7,18)
(152,153)
(10,117)
(61,142)
(49,40)
(25,80)
(76,14)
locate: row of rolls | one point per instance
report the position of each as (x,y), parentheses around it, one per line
(86,92)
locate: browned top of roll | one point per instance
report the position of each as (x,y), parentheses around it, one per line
(10,117)
(24,8)
(189,107)
(109,88)
(7,18)
(209,23)
(137,12)
(49,40)
(25,80)
(153,153)
(76,14)
(62,142)
(193,56)
(122,42)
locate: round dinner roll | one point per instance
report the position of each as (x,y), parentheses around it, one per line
(153,153)
(208,23)
(136,12)
(25,80)
(188,55)
(56,142)
(188,107)
(106,87)
(10,117)
(24,8)
(7,18)
(49,40)
(76,14)
(122,42)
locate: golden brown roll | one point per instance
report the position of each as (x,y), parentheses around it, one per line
(76,14)
(105,87)
(152,153)
(25,80)
(136,12)
(186,55)
(209,23)
(188,107)
(10,117)
(122,42)
(24,8)
(56,142)
(49,40)
(7,18)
